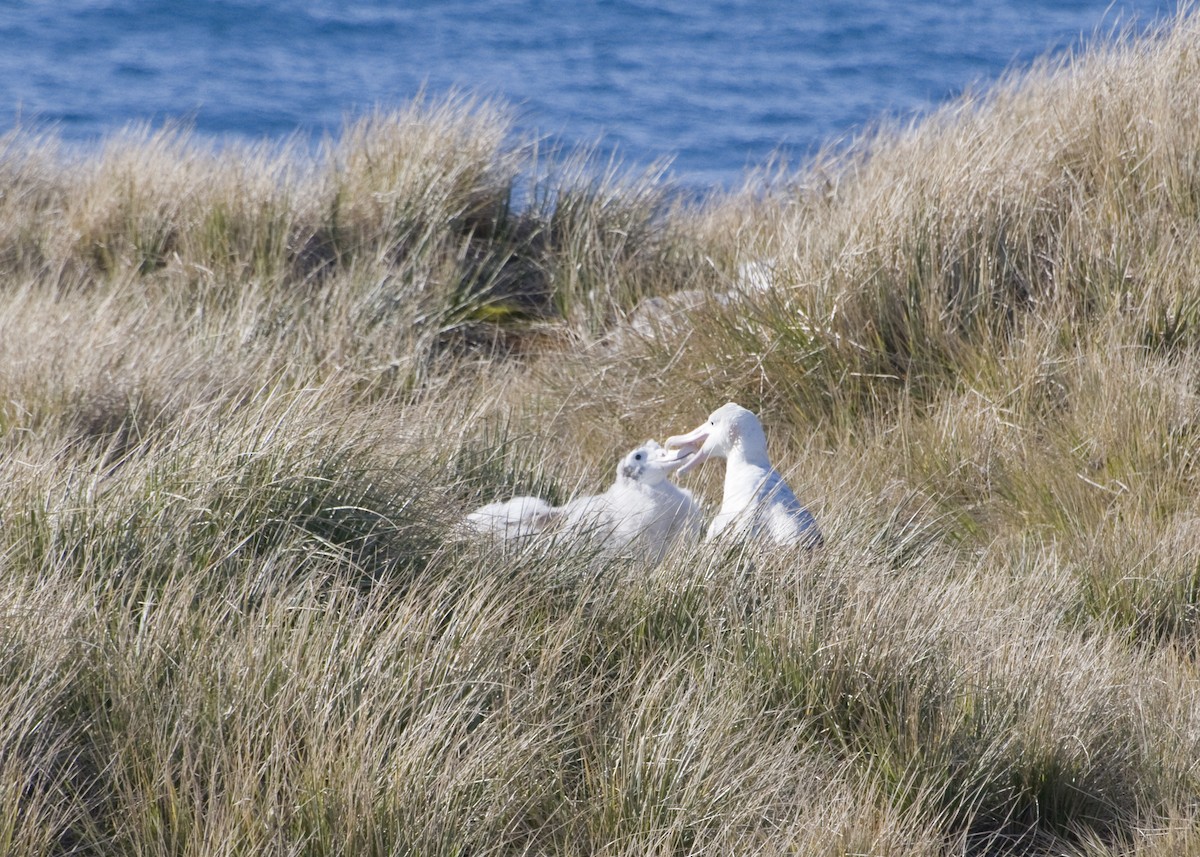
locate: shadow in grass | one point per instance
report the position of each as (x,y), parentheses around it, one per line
(1019,800)
(500,464)
(379,524)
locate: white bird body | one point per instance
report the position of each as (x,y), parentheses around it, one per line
(756,500)
(641,514)
(511,519)
(642,510)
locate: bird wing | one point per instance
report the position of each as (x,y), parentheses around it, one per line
(786,517)
(520,516)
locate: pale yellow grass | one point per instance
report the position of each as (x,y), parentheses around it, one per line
(248,393)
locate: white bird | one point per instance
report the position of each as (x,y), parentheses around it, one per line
(757,502)
(641,514)
(511,519)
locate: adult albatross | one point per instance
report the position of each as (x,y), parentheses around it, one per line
(757,503)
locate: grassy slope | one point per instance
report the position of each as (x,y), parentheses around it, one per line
(246,395)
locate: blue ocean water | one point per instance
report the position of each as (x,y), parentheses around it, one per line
(718,85)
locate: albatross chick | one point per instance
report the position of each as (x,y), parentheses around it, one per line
(641,514)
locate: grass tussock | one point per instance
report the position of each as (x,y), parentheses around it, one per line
(248,394)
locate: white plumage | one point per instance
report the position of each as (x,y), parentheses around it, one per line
(511,519)
(757,503)
(640,515)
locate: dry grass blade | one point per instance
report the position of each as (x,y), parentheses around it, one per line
(248,395)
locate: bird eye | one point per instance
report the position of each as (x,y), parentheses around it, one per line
(637,457)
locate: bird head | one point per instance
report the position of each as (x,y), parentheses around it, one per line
(727,427)
(648,464)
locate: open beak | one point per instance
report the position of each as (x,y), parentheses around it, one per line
(670,460)
(691,444)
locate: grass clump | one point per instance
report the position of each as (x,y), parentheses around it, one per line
(250,392)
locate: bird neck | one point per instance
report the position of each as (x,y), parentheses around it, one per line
(742,455)
(744,473)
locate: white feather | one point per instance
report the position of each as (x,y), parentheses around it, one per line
(641,514)
(756,502)
(511,519)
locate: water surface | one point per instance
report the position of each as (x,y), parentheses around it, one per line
(718,85)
